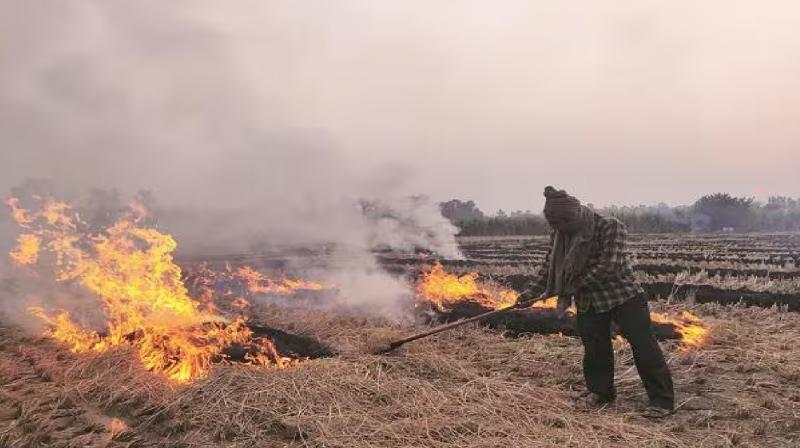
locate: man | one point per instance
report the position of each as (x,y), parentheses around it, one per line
(587,262)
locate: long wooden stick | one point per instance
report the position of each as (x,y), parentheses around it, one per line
(445,327)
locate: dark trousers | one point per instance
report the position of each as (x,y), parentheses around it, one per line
(633,318)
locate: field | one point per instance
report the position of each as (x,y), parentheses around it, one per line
(472,387)
(758,269)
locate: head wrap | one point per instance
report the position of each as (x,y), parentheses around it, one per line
(561,206)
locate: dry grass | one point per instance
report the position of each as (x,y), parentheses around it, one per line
(467,388)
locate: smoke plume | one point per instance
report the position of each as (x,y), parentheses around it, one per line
(172,99)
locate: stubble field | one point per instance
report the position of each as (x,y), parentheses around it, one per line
(471,387)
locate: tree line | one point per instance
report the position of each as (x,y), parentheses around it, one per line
(718,212)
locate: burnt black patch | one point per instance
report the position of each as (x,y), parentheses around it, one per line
(534,321)
(286,344)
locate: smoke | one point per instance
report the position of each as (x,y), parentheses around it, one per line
(467,99)
(408,223)
(170,98)
(22,289)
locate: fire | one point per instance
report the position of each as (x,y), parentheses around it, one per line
(131,269)
(63,329)
(442,289)
(240,302)
(552,303)
(235,289)
(27,251)
(258,283)
(19,215)
(689,327)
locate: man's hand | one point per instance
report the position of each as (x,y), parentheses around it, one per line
(527,297)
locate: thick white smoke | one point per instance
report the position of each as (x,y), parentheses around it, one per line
(170,97)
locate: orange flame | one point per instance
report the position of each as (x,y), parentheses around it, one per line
(260,283)
(27,251)
(63,329)
(442,289)
(552,303)
(19,215)
(240,303)
(131,270)
(689,327)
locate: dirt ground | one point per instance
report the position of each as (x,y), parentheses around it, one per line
(472,387)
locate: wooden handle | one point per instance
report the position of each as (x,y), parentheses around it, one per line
(441,328)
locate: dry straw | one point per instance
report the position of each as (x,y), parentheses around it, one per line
(471,387)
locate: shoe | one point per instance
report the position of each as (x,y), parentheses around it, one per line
(596,401)
(656,412)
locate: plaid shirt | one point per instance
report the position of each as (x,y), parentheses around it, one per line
(608,278)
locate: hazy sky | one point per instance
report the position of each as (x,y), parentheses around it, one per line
(620,102)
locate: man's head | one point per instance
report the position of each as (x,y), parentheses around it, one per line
(562,211)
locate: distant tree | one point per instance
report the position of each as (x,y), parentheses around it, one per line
(458,211)
(507,225)
(650,219)
(780,213)
(472,221)
(724,210)
(782,203)
(650,222)
(711,212)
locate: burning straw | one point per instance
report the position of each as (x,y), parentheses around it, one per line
(446,292)
(467,388)
(131,269)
